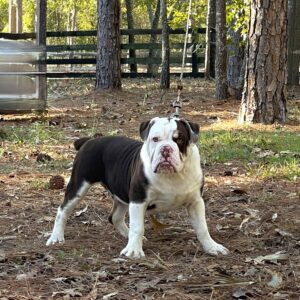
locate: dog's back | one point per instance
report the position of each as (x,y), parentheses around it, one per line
(119,153)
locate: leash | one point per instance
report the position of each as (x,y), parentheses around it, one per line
(177,104)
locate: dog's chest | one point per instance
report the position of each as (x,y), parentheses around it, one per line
(166,202)
(167,193)
(169,197)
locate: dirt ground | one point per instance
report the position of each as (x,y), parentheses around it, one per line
(258,220)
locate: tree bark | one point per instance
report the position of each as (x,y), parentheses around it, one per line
(221,53)
(165,64)
(235,65)
(265,94)
(210,39)
(12,17)
(41,29)
(293,42)
(108,69)
(151,68)
(19,16)
(130,25)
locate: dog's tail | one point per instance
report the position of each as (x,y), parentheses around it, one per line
(78,143)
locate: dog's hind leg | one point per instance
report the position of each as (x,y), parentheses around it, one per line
(117,216)
(76,190)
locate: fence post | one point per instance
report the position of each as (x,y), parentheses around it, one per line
(213,53)
(194,54)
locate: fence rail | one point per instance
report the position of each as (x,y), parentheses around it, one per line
(79,60)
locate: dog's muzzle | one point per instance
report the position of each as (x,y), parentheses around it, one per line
(165,163)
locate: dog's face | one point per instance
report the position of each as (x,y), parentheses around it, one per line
(167,141)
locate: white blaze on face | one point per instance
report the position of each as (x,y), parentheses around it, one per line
(163,152)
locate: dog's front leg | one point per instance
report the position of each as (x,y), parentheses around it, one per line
(134,246)
(196,212)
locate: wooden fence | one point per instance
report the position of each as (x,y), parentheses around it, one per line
(79,59)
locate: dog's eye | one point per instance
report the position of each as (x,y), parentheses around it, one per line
(178,141)
(155,139)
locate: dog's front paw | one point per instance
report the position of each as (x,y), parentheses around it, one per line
(54,239)
(215,248)
(133,252)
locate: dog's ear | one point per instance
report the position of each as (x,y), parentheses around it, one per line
(194,130)
(144,129)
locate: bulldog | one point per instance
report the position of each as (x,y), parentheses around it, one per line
(160,174)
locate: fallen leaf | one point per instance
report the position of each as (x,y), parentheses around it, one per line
(287,152)
(59,279)
(274,217)
(67,292)
(275,281)
(283,233)
(241,293)
(100,274)
(80,212)
(158,226)
(6,238)
(265,153)
(25,276)
(142,286)
(271,257)
(106,297)
(118,260)
(243,222)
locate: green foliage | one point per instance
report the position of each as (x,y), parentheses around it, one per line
(3,133)
(29,7)
(3,15)
(180,13)
(60,14)
(264,154)
(237,15)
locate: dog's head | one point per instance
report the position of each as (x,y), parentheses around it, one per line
(167,142)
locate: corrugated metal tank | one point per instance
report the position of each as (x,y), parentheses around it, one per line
(20,88)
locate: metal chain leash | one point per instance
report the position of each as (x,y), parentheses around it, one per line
(177,104)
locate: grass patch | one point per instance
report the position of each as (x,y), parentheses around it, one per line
(264,154)
(39,184)
(33,134)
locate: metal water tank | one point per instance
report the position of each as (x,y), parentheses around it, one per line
(22,84)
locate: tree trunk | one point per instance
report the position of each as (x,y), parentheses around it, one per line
(235,65)
(73,20)
(41,29)
(165,64)
(12,17)
(130,25)
(221,53)
(152,69)
(108,69)
(74,16)
(210,39)
(293,42)
(265,95)
(19,16)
